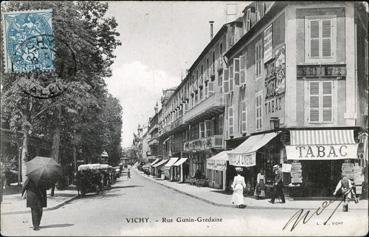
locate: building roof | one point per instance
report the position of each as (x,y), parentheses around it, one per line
(204,51)
(277,6)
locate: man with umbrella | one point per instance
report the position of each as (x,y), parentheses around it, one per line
(42,173)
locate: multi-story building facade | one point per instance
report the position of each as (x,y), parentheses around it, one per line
(287,84)
(153,131)
(301,67)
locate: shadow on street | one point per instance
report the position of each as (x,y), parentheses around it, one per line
(128,186)
(56,226)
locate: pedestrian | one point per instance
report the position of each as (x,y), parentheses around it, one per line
(238,186)
(260,185)
(345,189)
(36,200)
(277,185)
(129,173)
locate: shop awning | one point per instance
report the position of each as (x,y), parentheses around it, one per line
(322,145)
(171,162)
(217,162)
(245,154)
(180,162)
(154,162)
(160,163)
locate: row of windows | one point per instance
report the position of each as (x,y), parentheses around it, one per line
(321,97)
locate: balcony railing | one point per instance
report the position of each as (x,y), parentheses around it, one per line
(206,143)
(212,104)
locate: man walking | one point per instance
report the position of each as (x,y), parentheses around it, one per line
(278,185)
(36,200)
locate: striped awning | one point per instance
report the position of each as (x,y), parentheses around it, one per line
(322,145)
(180,162)
(160,163)
(171,162)
(322,137)
(218,161)
(154,162)
(245,154)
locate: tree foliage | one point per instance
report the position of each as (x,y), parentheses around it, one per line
(85,40)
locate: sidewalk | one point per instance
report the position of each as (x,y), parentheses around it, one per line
(219,198)
(14,204)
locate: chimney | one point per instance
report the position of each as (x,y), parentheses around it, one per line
(211,29)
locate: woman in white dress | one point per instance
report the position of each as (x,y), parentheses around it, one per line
(238,185)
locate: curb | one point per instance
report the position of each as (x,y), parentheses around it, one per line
(220,204)
(46,209)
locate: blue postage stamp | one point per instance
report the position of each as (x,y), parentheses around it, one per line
(28,41)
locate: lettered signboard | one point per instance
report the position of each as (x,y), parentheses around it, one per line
(321,152)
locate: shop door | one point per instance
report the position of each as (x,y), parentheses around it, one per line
(317,178)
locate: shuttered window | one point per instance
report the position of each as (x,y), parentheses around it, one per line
(320,38)
(211,88)
(202,130)
(206,89)
(220,83)
(208,128)
(226,81)
(243,69)
(231,78)
(321,97)
(243,111)
(258,59)
(236,63)
(258,108)
(230,120)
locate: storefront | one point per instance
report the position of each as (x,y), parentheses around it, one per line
(216,168)
(198,163)
(157,168)
(168,168)
(152,169)
(319,158)
(260,151)
(181,170)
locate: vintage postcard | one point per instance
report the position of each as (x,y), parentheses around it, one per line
(178,118)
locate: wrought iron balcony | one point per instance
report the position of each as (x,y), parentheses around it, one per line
(207,108)
(215,142)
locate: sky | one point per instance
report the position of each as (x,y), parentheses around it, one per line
(160,40)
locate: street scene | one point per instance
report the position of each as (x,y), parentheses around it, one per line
(244,118)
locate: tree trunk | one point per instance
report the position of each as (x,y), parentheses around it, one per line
(55,149)
(24,153)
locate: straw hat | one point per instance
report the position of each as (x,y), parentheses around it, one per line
(275,167)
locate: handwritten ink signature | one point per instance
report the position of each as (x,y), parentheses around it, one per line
(303,216)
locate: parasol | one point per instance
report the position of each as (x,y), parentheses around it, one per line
(43,171)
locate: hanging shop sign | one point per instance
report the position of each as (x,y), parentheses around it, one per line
(337,71)
(280,70)
(268,46)
(245,160)
(275,81)
(322,152)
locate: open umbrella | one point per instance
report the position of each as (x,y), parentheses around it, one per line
(43,171)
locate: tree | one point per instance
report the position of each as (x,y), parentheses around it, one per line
(84,43)
(112,118)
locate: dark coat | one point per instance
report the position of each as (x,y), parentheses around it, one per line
(278,178)
(36,196)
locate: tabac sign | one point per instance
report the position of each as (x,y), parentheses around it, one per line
(322,152)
